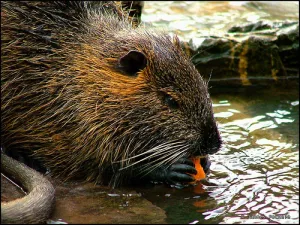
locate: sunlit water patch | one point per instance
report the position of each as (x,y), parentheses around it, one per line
(193,19)
(260,160)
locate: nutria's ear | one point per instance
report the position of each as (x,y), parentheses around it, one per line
(133,62)
(176,42)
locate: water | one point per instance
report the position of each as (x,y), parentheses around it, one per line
(192,19)
(260,161)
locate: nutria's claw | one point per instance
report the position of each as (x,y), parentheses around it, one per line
(185,161)
(179,172)
(183,168)
(175,177)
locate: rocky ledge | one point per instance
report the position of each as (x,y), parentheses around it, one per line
(255,54)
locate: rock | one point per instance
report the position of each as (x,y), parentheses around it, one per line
(262,53)
(91,203)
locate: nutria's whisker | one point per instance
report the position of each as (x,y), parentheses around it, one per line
(155,151)
(167,160)
(126,157)
(163,150)
(127,149)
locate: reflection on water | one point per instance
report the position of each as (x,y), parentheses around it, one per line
(255,177)
(192,19)
(259,159)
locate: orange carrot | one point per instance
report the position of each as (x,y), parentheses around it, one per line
(200,172)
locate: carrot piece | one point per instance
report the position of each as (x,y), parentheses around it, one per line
(200,172)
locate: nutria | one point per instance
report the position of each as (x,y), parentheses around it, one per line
(89,97)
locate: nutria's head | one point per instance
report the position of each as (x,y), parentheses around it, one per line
(156,105)
(100,93)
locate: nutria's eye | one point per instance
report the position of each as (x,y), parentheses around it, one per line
(170,101)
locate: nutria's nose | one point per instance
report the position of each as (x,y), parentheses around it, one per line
(203,147)
(208,143)
(213,142)
(214,149)
(211,139)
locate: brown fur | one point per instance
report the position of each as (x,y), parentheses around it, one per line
(66,101)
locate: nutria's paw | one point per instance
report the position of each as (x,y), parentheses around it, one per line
(180,171)
(177,173)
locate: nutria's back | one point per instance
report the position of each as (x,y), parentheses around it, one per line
(87,94)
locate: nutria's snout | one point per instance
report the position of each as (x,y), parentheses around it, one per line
(214,150)
(212,140)
(205,148)
(213,144)
(214,147)
(207,143)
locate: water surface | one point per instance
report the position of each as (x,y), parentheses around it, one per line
(192,19)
